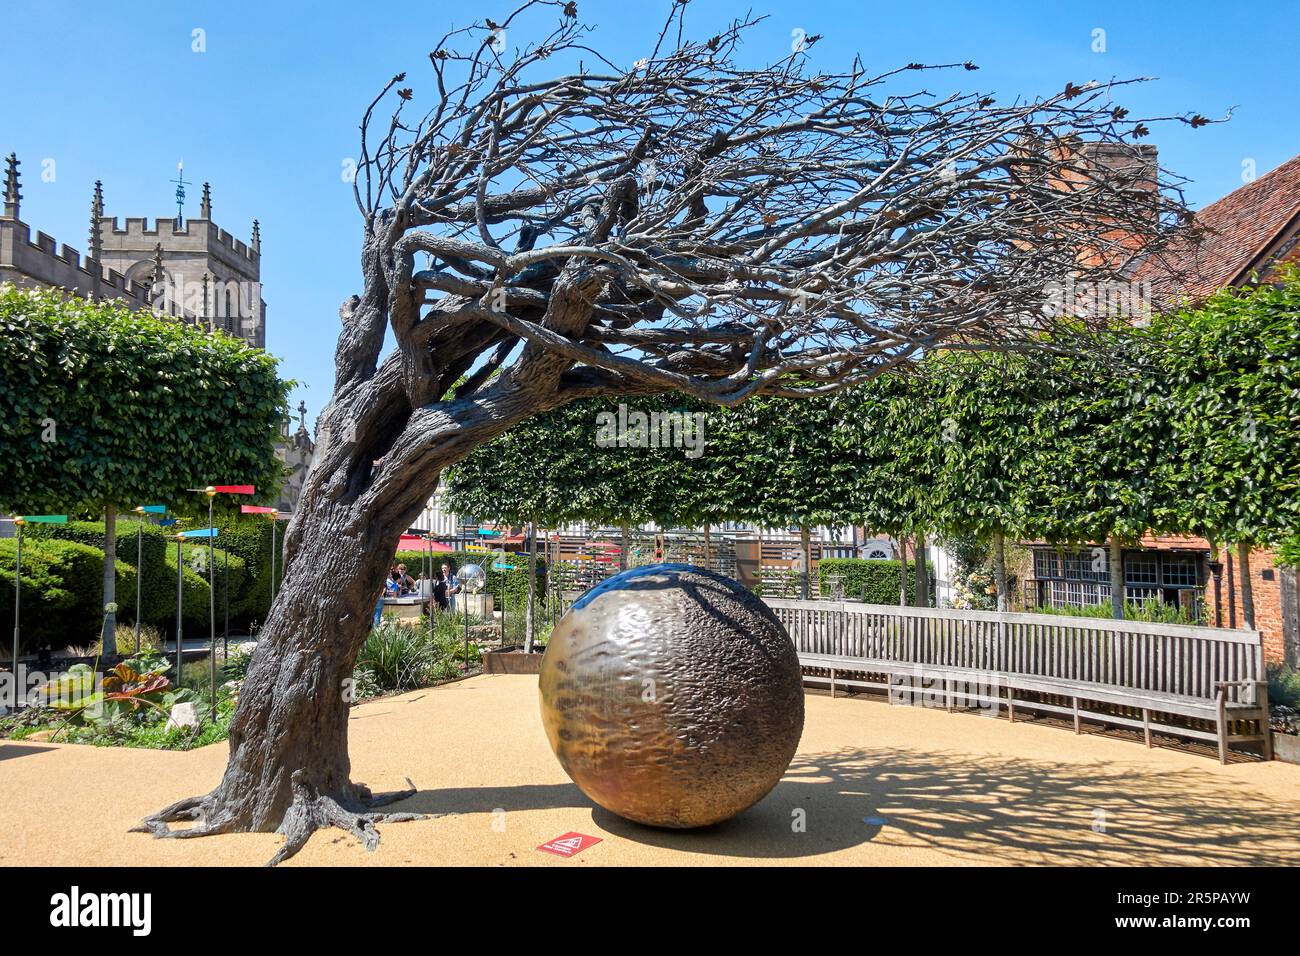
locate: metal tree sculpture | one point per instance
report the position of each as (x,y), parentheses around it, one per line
(687,224)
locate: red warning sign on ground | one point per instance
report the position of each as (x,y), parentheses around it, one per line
(570,844)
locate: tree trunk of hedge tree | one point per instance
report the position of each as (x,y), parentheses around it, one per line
(805,577)
(622,548)
(708,550)
(1000,570)
(1290,601)
(1247,586)
(109,628)
(1116,566)
(902,571)
(532,587)
(922,597)
(1232,584)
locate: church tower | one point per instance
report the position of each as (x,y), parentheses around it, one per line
(196,268)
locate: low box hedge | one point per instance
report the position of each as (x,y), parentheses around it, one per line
(62,593)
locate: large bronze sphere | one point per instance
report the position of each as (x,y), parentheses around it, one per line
(672,696)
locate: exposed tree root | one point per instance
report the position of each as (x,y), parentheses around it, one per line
(191,808)
(310,811)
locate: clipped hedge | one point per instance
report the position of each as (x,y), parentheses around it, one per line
(158,597)
(194,590)
(249,589)
(62,590)
(876,582)
(249,540)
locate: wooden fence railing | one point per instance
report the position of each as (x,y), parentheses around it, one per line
(1161,658)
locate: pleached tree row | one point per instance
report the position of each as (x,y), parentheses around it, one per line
(1187,425)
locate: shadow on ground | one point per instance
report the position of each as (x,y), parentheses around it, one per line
(8,751)
(986,809)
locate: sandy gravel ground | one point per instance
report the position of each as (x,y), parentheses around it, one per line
(873,784)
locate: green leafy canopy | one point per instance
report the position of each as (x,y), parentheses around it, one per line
(106,406)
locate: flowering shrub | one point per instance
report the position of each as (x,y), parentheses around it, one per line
(974,590)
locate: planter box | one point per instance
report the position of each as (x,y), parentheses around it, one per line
(1286,747)
(480,605)
(511,660)
(407,610)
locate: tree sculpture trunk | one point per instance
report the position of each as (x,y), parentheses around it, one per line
(289,767)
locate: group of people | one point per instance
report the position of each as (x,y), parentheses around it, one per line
(439,592)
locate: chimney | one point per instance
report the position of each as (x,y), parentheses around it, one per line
(1137,165)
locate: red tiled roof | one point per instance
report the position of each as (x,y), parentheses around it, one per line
(1236,229)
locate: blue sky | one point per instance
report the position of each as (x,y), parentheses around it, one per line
(268,112)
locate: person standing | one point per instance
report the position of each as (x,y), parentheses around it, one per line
(379,606)
(453,586)
(424,590)
(405,583)
(440,590)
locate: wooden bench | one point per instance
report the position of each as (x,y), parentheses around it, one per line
(1156,671)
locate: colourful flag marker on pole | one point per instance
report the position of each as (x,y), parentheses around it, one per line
(211,532)
(46,519)
(153,509)
(167,522)
(256,510)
